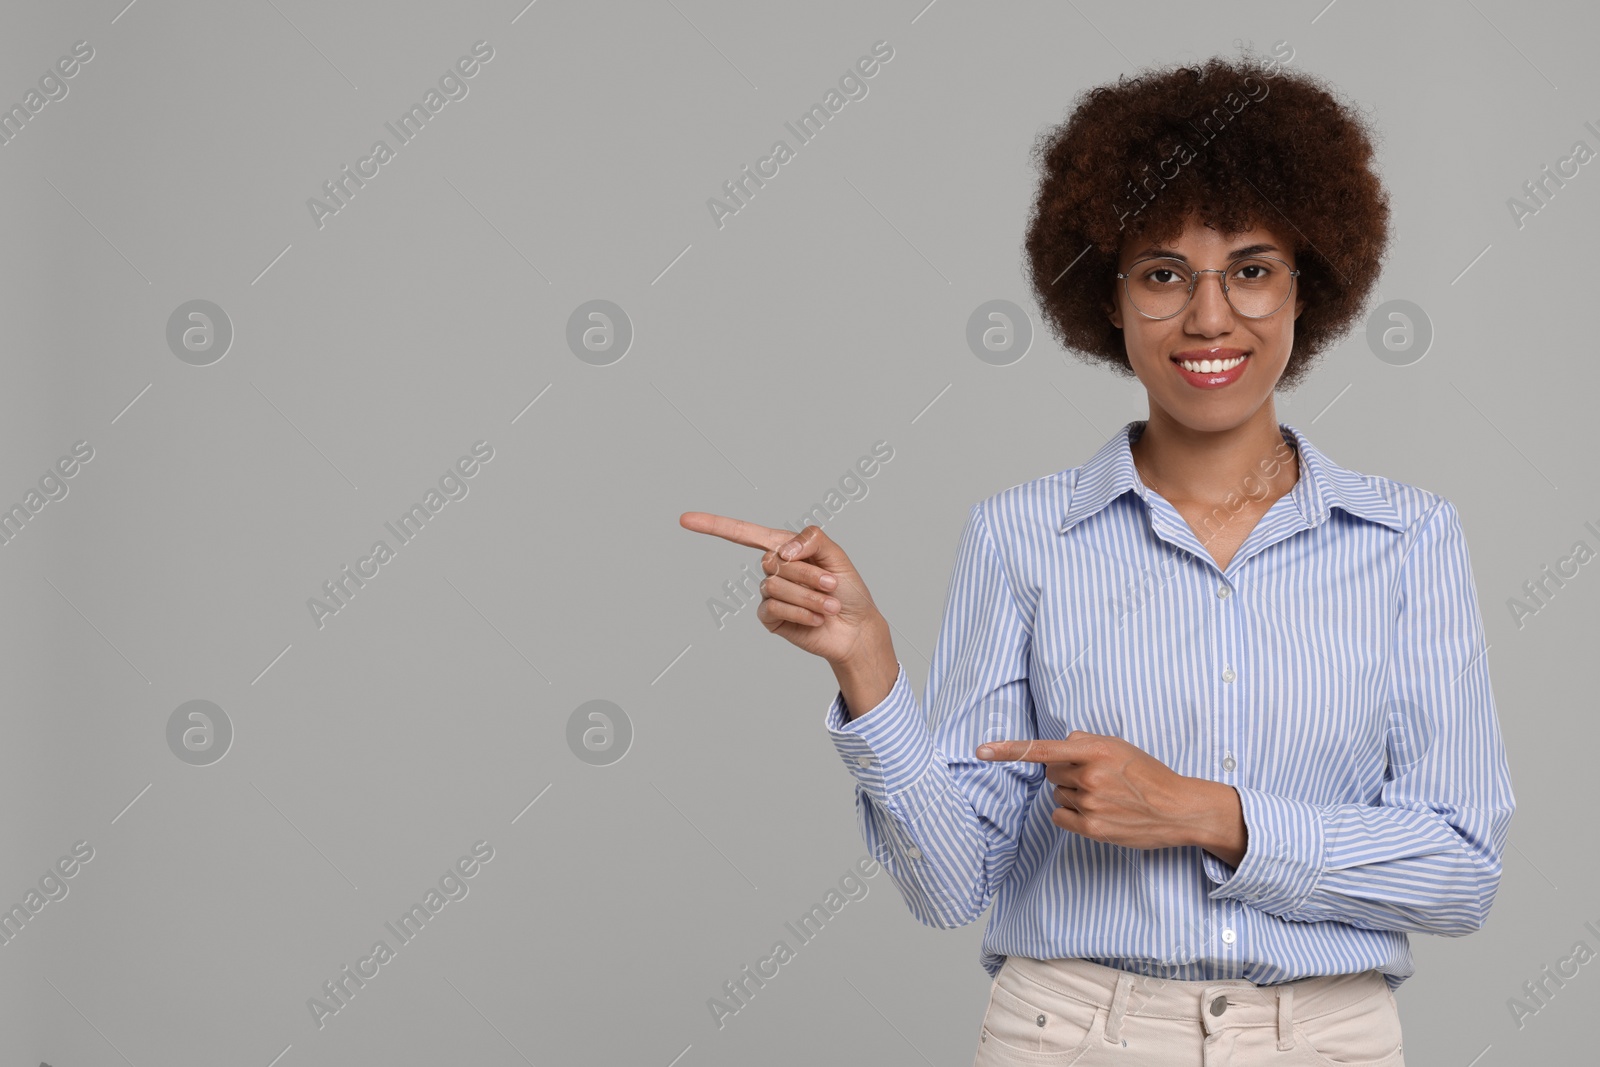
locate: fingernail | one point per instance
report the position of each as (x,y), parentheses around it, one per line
(828,581)
(985,752)
(830,603)
(788,550)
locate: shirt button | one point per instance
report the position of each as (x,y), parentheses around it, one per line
(914,852)
(864,761)
(1227,674)
(1223,592)
(1227,936)
(1228,763)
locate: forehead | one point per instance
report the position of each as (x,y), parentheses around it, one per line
(1197,241)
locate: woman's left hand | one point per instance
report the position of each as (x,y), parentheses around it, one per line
(1110,790)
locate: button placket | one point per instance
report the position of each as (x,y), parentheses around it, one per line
(1228,626)
(1224,590)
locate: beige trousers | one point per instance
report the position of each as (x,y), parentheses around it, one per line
(1072,1011)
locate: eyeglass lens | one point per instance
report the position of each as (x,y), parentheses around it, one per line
(1254,287)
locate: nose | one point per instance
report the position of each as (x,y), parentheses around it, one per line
(1209,312)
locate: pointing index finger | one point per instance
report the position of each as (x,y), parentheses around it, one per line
(1030,751)
(749,534)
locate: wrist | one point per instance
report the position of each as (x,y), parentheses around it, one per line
(1220,827)
(866,677)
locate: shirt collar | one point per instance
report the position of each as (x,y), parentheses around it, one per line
(1322,485)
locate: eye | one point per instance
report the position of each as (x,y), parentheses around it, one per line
(1163,275)
(1254,270)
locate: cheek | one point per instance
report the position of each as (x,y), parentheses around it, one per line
(1145,340)
(1278,338)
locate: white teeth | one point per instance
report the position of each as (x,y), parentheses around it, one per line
(1210,366)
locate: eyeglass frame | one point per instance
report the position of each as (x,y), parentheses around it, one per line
(1194,281)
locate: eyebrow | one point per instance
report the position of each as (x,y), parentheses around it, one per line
(1170,253)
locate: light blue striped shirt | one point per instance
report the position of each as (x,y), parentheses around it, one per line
(1334,674)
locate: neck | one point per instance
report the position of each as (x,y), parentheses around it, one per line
(1185,465)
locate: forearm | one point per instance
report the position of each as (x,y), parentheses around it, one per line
(1371,866)
(943,824)
(928,838)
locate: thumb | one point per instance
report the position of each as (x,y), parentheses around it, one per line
(817,547)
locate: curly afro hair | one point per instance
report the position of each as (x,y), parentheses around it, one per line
(1234,144)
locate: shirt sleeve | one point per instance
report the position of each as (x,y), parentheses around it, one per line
(1426,855)
(944,823)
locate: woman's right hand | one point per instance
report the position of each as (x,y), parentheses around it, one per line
(811,597)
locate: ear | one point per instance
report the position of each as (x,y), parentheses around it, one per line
(1299,305)
(1114,313)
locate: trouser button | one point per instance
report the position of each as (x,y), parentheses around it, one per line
(1218,1005)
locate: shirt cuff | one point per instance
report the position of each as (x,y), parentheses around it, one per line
(1284,857)
(887,749)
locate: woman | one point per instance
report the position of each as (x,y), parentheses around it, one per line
(1209,720)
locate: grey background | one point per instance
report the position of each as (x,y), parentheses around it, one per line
(768,356)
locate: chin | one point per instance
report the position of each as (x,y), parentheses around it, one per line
(1221,414)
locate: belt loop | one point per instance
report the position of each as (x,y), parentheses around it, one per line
(1285,1017)
(1119,1004)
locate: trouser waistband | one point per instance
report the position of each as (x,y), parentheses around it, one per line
(1218,1004)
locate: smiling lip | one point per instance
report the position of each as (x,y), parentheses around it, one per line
(1212,379)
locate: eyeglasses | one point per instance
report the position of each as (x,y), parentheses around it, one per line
(1255,288)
